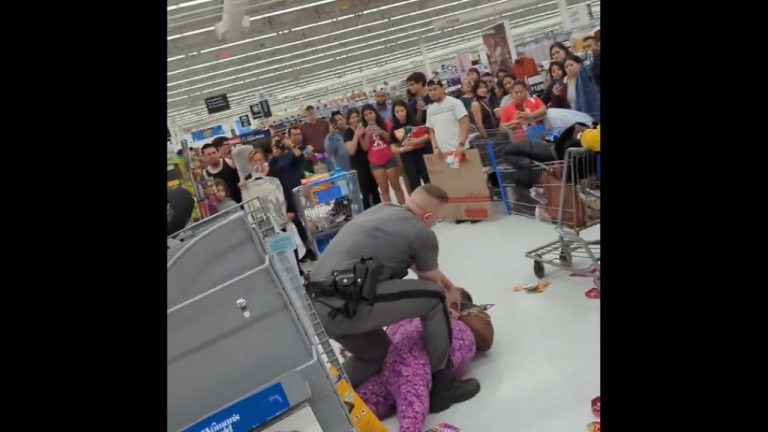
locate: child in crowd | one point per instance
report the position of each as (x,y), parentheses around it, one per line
(223,201)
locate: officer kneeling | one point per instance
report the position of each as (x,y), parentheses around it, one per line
(357,288)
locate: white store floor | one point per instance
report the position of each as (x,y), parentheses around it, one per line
(544,367)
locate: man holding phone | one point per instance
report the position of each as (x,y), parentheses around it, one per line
(417,106)
(286,166)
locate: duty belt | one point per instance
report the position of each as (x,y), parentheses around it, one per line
(354,286)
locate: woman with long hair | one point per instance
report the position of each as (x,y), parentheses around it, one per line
(581,91)
(382,161)
(409,141)
(467,93)
(482,116)
(554,94)
(506,86)
(354,135)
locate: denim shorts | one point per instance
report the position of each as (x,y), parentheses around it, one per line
(391,163)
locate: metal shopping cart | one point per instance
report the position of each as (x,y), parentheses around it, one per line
(325,205)
(245,345)
(564,192)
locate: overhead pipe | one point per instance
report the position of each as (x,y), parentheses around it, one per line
(233,20)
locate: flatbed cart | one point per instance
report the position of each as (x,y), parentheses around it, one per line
(245,347)
(327,204)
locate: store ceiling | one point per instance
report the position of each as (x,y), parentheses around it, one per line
(297,51)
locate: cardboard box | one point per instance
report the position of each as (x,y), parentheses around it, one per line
(362,417)
(466,186)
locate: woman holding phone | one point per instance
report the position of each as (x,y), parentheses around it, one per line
(409,141)
(354,135)
(554,94)
(382,161)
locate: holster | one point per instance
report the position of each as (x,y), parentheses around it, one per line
(354,286)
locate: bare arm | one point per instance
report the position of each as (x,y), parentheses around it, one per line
(463,129)
(365,144)
(452,296)
(477,114)
(352,145)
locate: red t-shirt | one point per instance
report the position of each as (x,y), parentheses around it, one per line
(379,151)
(530,105)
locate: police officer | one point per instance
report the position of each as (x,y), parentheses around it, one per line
(396,238)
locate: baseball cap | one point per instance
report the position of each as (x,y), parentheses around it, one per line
(435,81)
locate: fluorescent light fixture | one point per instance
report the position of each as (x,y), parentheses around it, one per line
(186,4)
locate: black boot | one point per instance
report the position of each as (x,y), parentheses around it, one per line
(447,390)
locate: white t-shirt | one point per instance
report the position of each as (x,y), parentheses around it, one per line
(443,118)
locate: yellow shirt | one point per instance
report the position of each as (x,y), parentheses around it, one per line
(590,139)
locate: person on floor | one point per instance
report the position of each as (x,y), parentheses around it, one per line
(223,169)
(286,165)
(396,239)
(409,141)
(359,159)
(403,384)
(380,157)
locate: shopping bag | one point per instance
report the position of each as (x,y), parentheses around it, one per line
(551,187)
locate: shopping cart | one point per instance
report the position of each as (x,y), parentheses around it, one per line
(327,204)
(563,192)
(573,185)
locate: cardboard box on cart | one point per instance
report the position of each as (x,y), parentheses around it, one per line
(466,186)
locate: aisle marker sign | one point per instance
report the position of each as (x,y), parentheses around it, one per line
(216,104)
(261,110)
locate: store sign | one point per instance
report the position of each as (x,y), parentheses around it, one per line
(578,16)
(207,133)
(261,110)
(536,85)
(247,414)
(245,120)
(254,136)
(216,104)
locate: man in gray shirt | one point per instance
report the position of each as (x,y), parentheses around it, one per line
(397,238)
